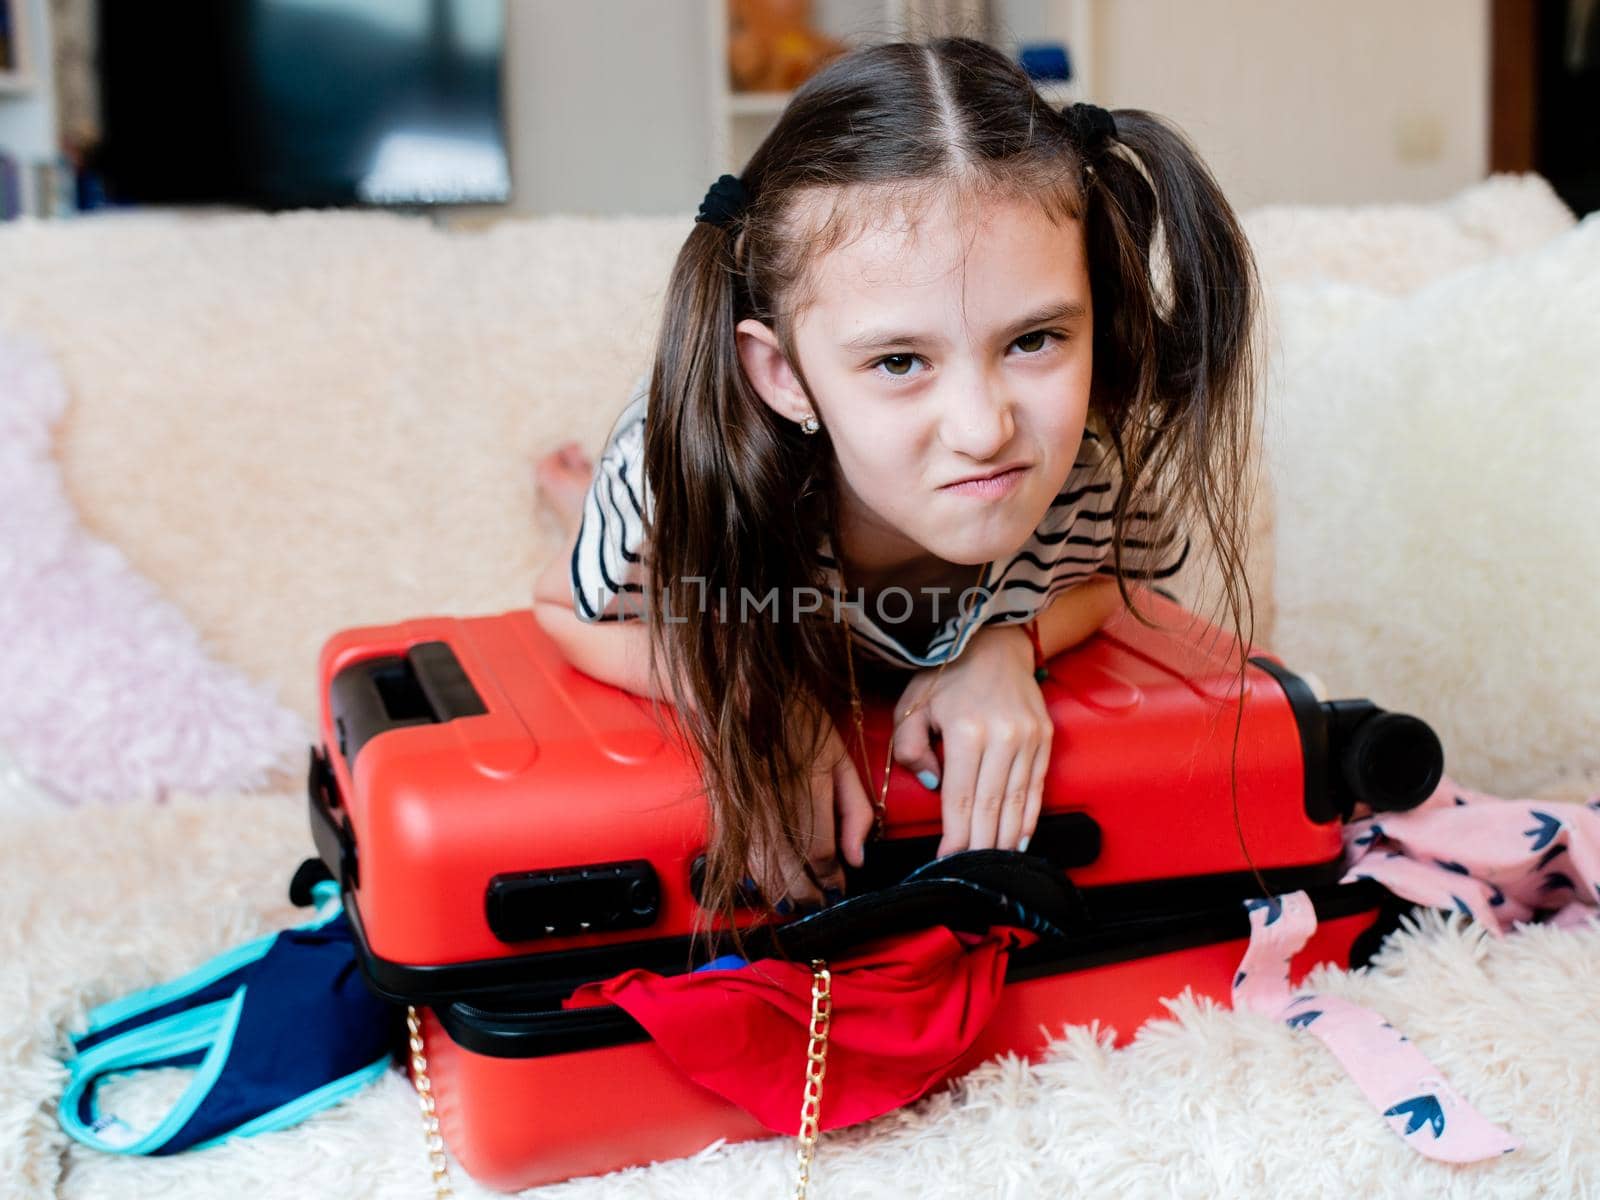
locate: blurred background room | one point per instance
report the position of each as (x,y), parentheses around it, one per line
(477,108)
(294,294)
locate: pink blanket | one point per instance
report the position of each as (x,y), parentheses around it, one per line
(110,695)
(1498,862)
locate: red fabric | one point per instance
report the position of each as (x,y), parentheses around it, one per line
(904,1010)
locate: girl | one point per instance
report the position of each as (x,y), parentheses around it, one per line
(923,371)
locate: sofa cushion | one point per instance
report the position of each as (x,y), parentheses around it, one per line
(1433,456)
(297,423)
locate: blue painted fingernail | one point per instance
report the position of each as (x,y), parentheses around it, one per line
(783,908)
(1022,846)
(928,780)
(832,895)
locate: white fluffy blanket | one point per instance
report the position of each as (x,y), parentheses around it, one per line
(290,424)
(1213,1103)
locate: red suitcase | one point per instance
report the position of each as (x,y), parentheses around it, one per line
(481,800)
(505,828)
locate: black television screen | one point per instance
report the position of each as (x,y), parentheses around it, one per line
(303,103)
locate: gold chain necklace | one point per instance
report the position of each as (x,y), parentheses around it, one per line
(880,805)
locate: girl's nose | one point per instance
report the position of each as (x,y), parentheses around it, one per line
(978,422)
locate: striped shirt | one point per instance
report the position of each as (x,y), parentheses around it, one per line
(1071,544)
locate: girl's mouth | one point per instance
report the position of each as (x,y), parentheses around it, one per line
(988,487)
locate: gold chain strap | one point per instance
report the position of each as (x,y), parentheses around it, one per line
(816,1068)
(430,1117)
(810,1103)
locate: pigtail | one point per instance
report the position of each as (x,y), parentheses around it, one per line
(1176,296)
(736,498)
(1175,280)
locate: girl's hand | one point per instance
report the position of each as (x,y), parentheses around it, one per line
(989,712)
(840,820)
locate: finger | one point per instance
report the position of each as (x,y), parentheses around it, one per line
(777,876)
(822,851)
(853,813)
(1014,809)
(778,871)
(913,748)
(989,797)
(1041,769)
(962,754)
(785,884)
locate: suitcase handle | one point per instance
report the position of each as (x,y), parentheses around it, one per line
(970,892)
(425,686)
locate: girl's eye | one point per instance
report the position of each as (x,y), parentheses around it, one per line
(901,365)
(898,365)
(1032,343)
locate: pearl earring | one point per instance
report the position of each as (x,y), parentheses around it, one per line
(810,424)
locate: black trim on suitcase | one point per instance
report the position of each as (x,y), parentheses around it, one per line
(331,831)
(533,1026)
(1079,834)
(1131,903)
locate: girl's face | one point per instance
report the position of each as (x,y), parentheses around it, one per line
(949,358)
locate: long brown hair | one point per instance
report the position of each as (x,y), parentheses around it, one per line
(741,497)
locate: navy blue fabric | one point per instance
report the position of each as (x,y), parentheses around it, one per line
(308,1019)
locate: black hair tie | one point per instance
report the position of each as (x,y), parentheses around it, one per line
(1093,128)
(725,202)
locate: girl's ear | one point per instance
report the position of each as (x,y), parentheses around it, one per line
(769,372)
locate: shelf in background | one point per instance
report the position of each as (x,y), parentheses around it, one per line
(18,75)
(739,120)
